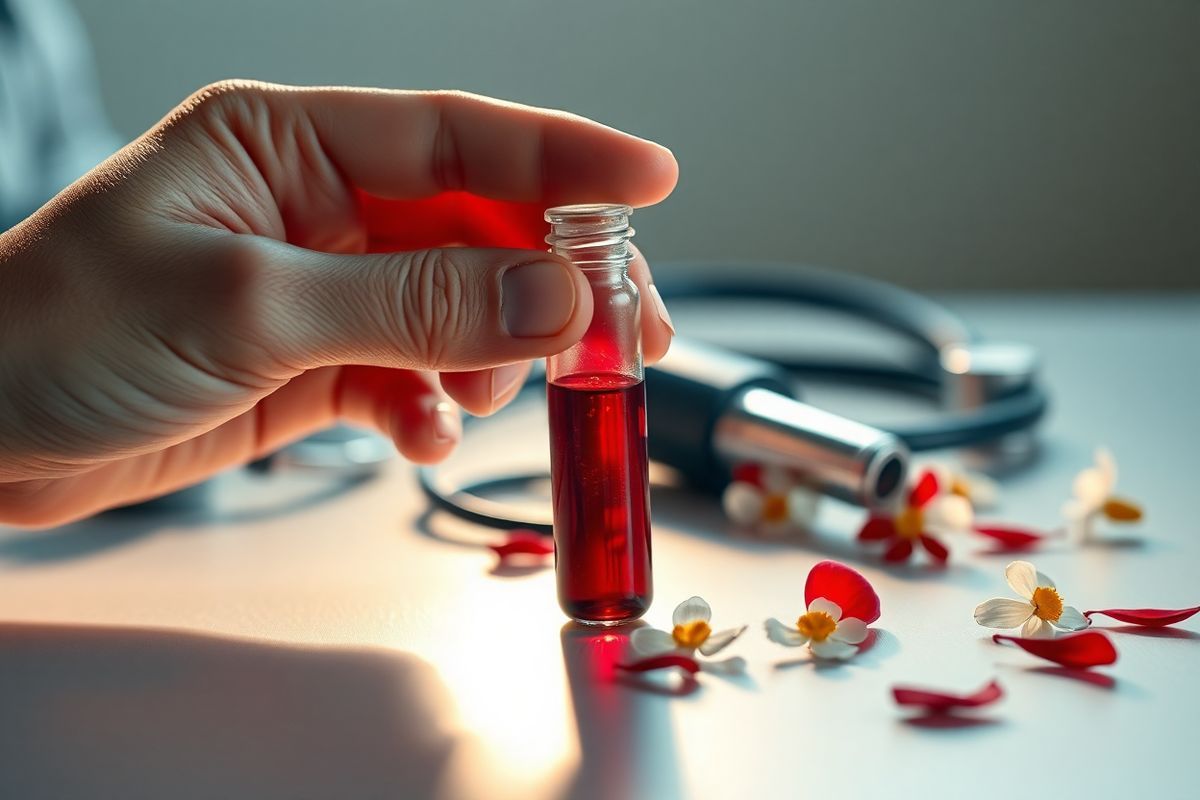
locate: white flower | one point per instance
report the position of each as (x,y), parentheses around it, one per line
(978,489)
(770,501)
(1038,614)
(691,632)
(1093,492)
(822,628)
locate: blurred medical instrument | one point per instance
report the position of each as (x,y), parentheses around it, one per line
(710,408)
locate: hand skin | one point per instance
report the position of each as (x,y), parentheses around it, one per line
(268,260)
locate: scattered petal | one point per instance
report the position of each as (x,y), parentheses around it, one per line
(1003,613)
(1091,488)
(728,666)
(1077,650)
(1045,580)
(664,661)
(1022,577)
(1119,510)
(900,550)
(941,702)
(720,640)
(651,641)
(925,490)
(1149,617)
(523,542)
(934,547)
(785,635)
(1106,463)
(803,504)
(1011,538)
(1071,619)
(850,631)
(846,587)
(825,606)
(833,649)
(691,610)
(743,503)
(876,529)
(1036,628)
(748,473)
(950,512)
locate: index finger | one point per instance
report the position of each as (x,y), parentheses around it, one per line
(410,145)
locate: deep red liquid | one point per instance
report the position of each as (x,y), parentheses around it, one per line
(601,491)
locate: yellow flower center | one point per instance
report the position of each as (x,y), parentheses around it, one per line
(691,634)
(816,625)
(775,508)
(910,522)
(960,487)
(1047,604)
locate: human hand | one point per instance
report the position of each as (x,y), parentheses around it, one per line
(268,260)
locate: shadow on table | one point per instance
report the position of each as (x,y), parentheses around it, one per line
(626,738)
(133,713)
(115,528)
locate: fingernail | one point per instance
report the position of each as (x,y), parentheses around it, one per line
(661,308)
(537,299)
(504,379)
(447,427)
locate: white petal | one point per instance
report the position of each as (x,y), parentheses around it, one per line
(1071,619)
(775,479)
(950,512)
(651,641)
(1106,463)
(743,503)
(1045,580)
(1003,613)
(828,606)
(1022,577)
(728,666)
(782,634)
(850,630)
(832,648)
(985,492)
(803,505)
(1091,487)
(720,640)
(1037,628)
(691,610)
(1075,510)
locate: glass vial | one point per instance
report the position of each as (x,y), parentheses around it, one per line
(597,403)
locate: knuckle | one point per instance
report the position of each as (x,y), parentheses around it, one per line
(435,305)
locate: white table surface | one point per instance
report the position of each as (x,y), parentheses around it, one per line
(297,641)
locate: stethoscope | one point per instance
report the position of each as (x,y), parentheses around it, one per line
(711,408)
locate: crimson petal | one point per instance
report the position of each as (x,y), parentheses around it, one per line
(877,528)
(1149,617)
(925,490)
(944,701)
(663,661)
(844,586)
(1079,650)
(900,550)
(523,542)
(934,547)
(1012,538)
(748,473)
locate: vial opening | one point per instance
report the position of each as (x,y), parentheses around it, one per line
(592,236)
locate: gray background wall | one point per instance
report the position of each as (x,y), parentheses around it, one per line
(1031,143)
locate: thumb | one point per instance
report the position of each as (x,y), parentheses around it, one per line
(445,309)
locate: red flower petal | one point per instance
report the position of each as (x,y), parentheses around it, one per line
(748,473)
(1011,538)
(1149,617)
(1078,650)
(934,547)
(663,661)
(523,542)
(944,701)
(925,490)
(876,529)
(900,550)
(844,586)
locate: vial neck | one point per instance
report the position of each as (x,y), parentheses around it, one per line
(594,238)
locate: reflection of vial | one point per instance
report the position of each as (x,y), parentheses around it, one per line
(598,429)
